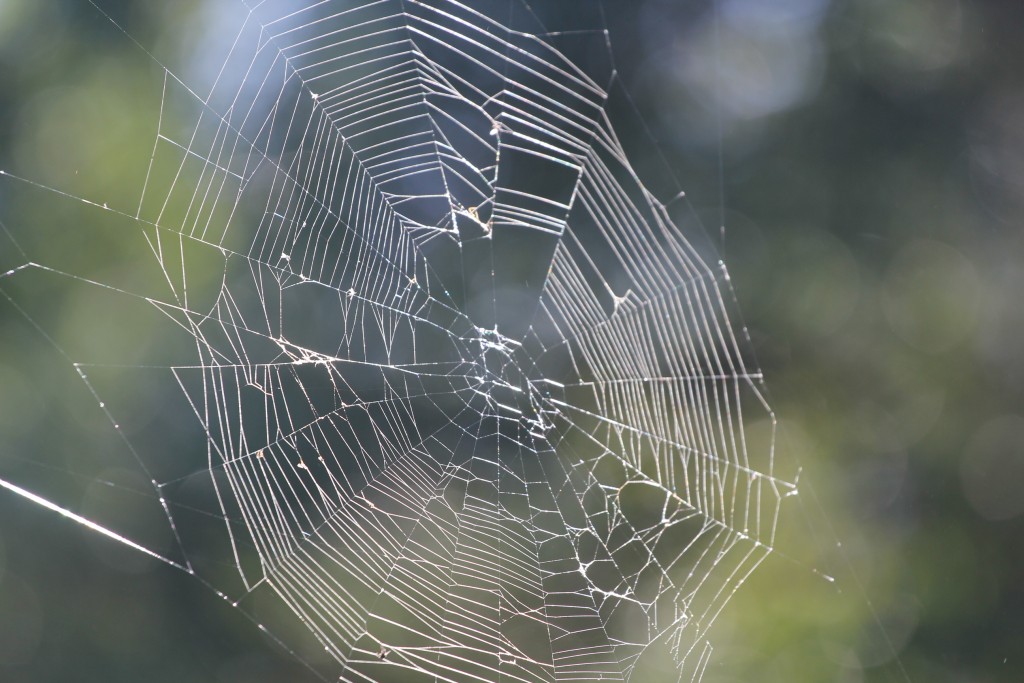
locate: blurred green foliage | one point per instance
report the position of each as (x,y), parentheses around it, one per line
(864,157)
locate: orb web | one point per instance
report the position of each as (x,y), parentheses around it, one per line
(472,403)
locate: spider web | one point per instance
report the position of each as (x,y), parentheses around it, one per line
(472,402)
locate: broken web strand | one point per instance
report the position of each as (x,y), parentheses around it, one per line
(601,334)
